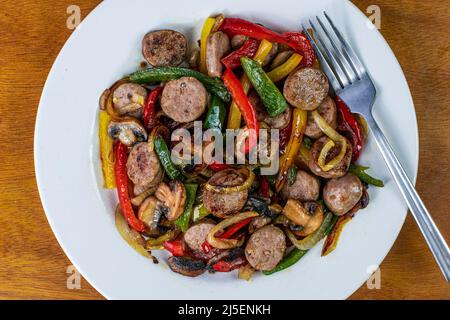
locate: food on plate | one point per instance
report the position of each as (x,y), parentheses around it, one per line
(212,214)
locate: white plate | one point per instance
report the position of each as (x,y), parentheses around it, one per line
(105,47)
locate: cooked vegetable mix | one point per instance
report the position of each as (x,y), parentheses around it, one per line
(217,209)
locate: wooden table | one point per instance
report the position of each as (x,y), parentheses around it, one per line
(32,264)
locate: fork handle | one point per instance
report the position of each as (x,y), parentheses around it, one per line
(434,238)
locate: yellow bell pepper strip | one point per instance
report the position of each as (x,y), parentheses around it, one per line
(106,151)
(234,115)
(299,119)
(283,71)
(206,31)
(335,137)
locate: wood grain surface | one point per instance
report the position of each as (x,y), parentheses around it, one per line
(32,264)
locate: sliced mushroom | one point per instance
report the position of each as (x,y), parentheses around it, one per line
(128,130)
(308,215)
(173,196)
(217,46)
(150,213)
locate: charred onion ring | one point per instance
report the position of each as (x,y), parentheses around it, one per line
(245,186)
(228,243)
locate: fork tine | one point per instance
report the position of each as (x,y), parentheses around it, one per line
(334,63)
(341,60)
(323,62)
(351,56)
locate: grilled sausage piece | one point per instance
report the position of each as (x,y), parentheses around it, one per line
(280,121)
(306,88)
(306,187)
(186,266)
(184,99)
(164,48)
(143,167)
(238,40)
(196,235)
(265,248)
(217,45)
(342,194)
(129,98)
(340,169)
(328,111)
(224,205)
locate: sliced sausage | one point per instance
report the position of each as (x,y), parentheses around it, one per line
(281,58)
(342,194)
(129,98)
(238,40)
(328,111)
(265,248)
(306,187)
(143,166)
(217,46)
(224,205)
(280,121)
(196,235)
(184,99)
(164,48)
(306,88)
(186,266)
(340,169)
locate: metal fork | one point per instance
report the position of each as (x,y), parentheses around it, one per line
(352,83)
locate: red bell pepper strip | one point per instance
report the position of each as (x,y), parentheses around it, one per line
(245,107)
(176,248)
(150,108)
(296,40)
(215,166)
(227,266)
(248,49)
(235,228)
(352,123)
(206,247)
(264,188)
(120,171)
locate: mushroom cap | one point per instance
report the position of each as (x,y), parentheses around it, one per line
(309,215)
(128,130)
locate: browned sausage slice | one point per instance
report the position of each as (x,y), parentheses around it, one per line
(143,166)
(306,187)
(196,235)
(184,100)
(238,40)
(280,121)
(129,98)
(265,248)
(186,266)
(306,88)
(342,194)
(224,205)
(217,45)
(164,48)
(328,111)
(340,169)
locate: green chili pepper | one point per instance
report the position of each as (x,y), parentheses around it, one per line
(292,258)
(292,174)
(215,117)
(164,156)
(359,171)
(183,221)
(270,96)
(161,74)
